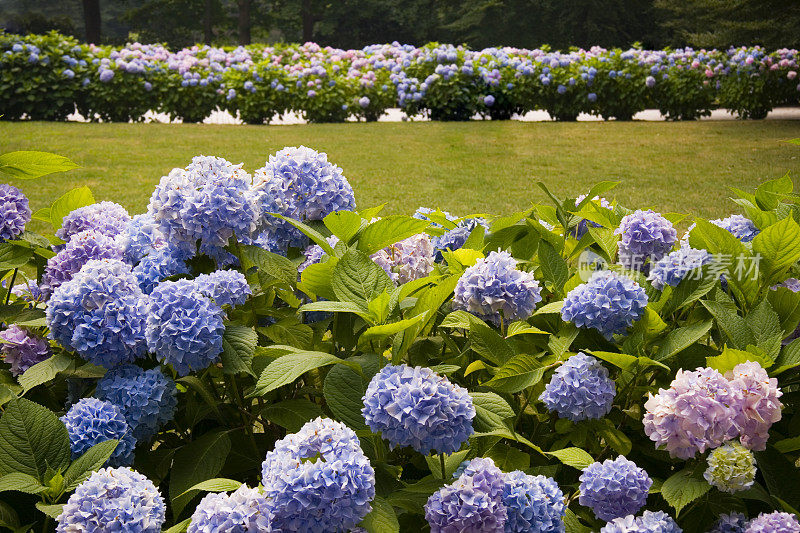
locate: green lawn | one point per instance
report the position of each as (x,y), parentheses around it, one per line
(460,167)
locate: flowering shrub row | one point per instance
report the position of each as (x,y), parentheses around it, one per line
(253,353)
(47,77)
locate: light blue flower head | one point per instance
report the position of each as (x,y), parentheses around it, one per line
(108,218)
(81,248)
(535,504)
(649,522)
(413,406)
(730,523)
(92,421)
(14,212)
(244,510)
(225,287)
(141,237)
(580,389)
(740,226)
(613,489)
(646,236)
(675,266)
(455,238)
(158,265)
(775,522)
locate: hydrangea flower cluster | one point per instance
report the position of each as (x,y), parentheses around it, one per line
(407,260)
(615,488)
(225,287)
(22,349)
(649,522)
(493,289)
(108,218)
(674,267)
(184,327)
(608,302)
(580,389)
(775,522)
(731,468)
(146,398)
(156,266)
(583,225)
(455,238)
(759,406)
(81,248)
(535,504)
(14,212)
(318,479)
(243,510)
(210,201)
(418,408)
(92,421)
(142,236)
(740,226)
(114,499)
(315,253)
(423,213)
(646,235)
(100,313)
(302,184)
(730,523)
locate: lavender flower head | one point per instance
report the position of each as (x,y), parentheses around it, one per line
(100,313)
(730,523)
(318,479)
(580,389)
(243,510)
(114,499)
(615,488)
(741,227)
(14,212)
(646,235)
(315,253)
(81,248)
(108,218)
(416,407)
(146,398)
(649,522)
(455,238)
(731,468)
(30,292)
(225,287)
(158,265)
(493,289)
(407,260)
(583,225)
(92,421)
(674,267)
(775,522)
(608,302)
(534,504)
(22,349)
(184,327)
(759,406)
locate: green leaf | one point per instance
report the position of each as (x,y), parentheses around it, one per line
(607,240)
(27,165)
(518,373)
(787,304)
(769,193)
(356,278)
(316,279)
(310,232)
(44,371)
(621,360)
(574,457)
(491,411)
(292,414)
(344,389)
(8,517)
(551,308)
(53,511)
(13,255)
(451,463)
(730,357)
(389,230)
(779,248)
(616,439)
(217,484)
(573,524)
(385,330)
(553,267)
(487,343)
(68,203)
(290,332)
(205,393)
(93,459)
(270,263)
(180,527)
(197,461)
(766,327)
(414,496)
(682,488)
(21,482)
(333,307)
(457,319)
(780,474)
(732,325)
(789,357)
(238,347)
(681,338)
(286,369)
(343,224)
(32,439)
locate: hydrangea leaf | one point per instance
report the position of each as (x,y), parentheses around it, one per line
(574,457)
(53,511)
(343,224)
(93,459)
(30,164)
(491,411)
(516,374)
(68,203)
(288,368)
(217,484)
(554,269)
(681,338)
(451,463)
(292,414)
(730,357)
(198,461)
(44,371)
(356,278)
(682,488)
(389,230)
(21,482)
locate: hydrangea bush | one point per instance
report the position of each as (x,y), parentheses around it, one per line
(259,353)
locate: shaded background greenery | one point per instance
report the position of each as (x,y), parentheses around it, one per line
(356,23)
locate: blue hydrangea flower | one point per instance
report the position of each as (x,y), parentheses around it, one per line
(92,421)
(156,266)
(81,248)
(142,236)
(775,522)
(473,503)
(146,398)
(646,236)
(493,289)
(31,292)
(614,489)
(535,504)
(674,267)
(731,468)
(406,260)
(318,479)
(184,327)
(100,313)
(422,214)
(210,201)
(114,499)
(225,287)
(242,511)
(22,349)
(730,523)
(418,408)
(14,212)
(608,302)
(300,183)
(580,389)
(455,238)
(649,522)
(740,226)
(108,218)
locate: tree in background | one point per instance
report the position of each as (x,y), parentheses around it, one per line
(92,20)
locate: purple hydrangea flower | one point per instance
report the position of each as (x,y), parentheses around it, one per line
(488,100)
(22,349)
(100,313)
(646,235)
(79,250)
(608,302)
(649,522)
(580,389)
(758,407)
(243,510)
(418,408)
(146,398)
(14,212)
(184,327)
(108,218)
(775,522)
(615,488)
(92,421)
(493,288)
(455,238)
(158,265)
(730,523)
(793,284)
(114,499)
(407,260)
(741,227)
(535,504)
(731,468)
(29,291)
(674,267)
(225,287)
(318,479)
(315,253)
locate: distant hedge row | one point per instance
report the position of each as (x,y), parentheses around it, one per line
(45,77)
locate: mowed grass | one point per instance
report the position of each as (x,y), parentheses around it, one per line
(460,167)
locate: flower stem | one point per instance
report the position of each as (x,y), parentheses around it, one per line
(441,462)
(11,285)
